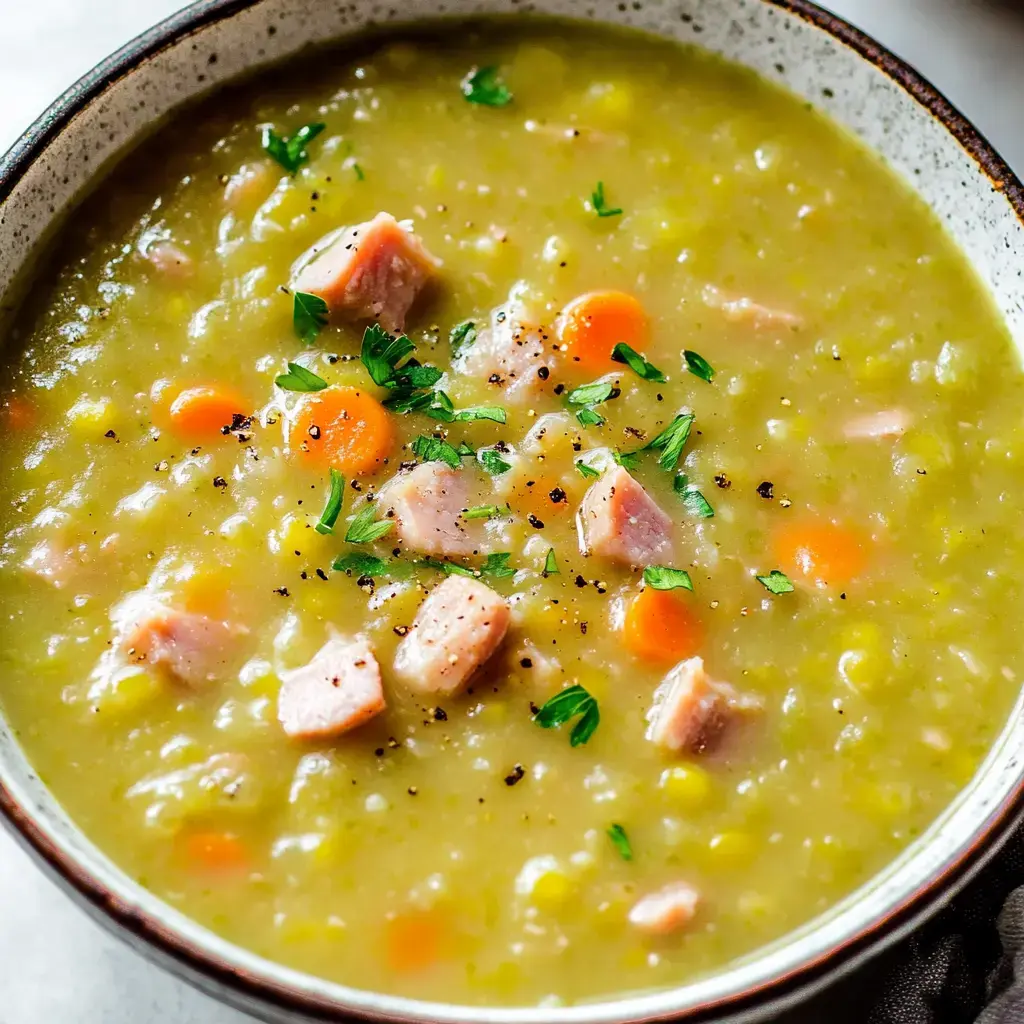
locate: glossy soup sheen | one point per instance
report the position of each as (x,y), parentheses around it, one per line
(454,849)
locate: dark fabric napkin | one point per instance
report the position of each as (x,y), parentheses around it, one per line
(964,966)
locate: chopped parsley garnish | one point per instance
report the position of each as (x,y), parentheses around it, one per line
(433,449)
(551,563)
(623,353)
(591,394)
(585,471)
(662,577)
(695,502)
(671,440)
(298,378)
(496,565)
(617,834)
(359,564)
(464,449)
(485,87)
(332,509)
(413,375)
(628,460)
(600,204)
(381,353)
(448,568)
(589,418)
(567,705)
(776,582)
(492,461)
(364,529)
(309,316)
(699,366)
(462,336)
(482,412)
(291,153)
(358,171)
(481,512)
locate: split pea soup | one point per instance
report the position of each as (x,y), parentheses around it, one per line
(507,519)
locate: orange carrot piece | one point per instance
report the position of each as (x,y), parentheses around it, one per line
(416,940)
(17,414)
(202,413)
(594,323)
(822,551)
(661,628)
(215,852)
(345,428)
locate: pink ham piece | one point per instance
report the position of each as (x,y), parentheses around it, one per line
(426,503)
(665,911)
(744,310)
(170,260)
(338,690)
(886,424)
(690,709)
(372,271)
(193,649)
(509,353)
(457,628)
(618,519)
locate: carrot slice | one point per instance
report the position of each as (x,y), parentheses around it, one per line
(415,940)
(345,428)
(202,413)
(594,323)
(659,627)
(215,851)
(822,551)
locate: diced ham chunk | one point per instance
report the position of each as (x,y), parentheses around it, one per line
(426,504)
(192,648)
(338,690)
(371,271)
(667,910)
(740,309)
(249,185)
(618,519)
(508,353)
(881,425)
(457,628)
(170,260)
(690,709)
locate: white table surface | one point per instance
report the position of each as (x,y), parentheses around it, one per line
(56,966)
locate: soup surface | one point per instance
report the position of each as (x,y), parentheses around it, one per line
(790,495)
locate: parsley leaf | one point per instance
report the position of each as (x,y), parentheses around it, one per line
(413,375)
(309,316)
(298,378)
(589,418)
(332,509)
(662,577)
(464,449)
(695,502)
(357,563)
(623,353)
(585,471)
(776,582)
(291,153)
(617,834)
(381,353)
(627,460)
(482,412)
(433,449)
(573,701)
(496,565)
(462,336)
(591,394)
(448,568)
(671,440)
(364,529)
(492,461)
(699,366)
(551,564)
(483,86)
(600,205)
(481,512)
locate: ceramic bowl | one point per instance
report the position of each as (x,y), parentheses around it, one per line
(838,69)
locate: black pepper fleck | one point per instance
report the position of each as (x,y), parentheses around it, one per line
(765,489)
(518,771)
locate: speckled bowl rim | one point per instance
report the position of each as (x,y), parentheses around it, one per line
(262,993)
